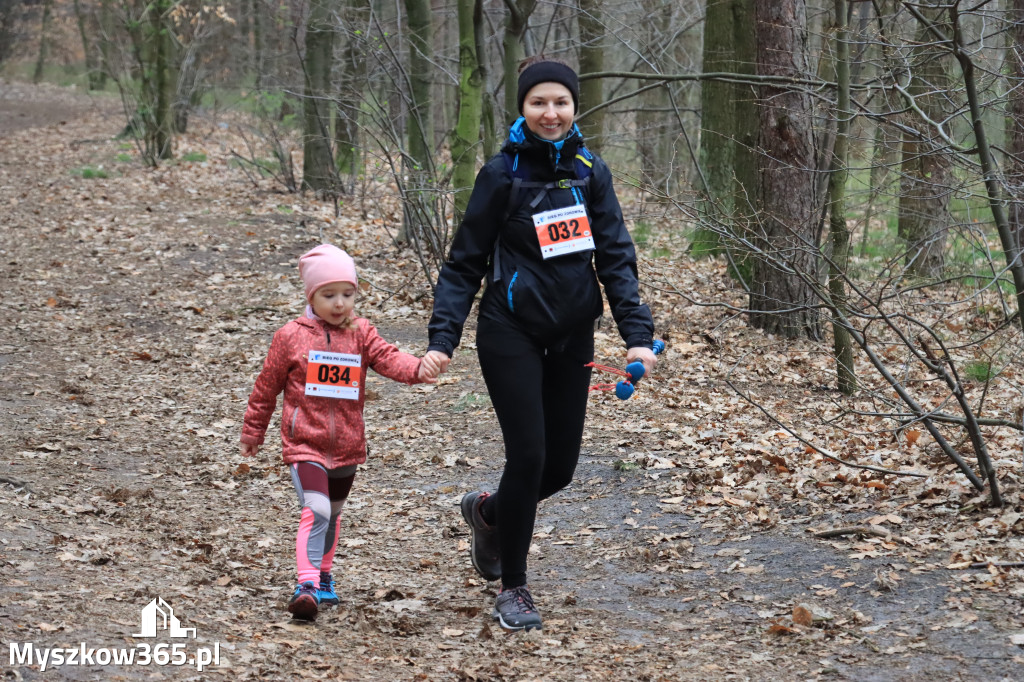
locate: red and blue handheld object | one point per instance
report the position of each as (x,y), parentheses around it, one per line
(633,373)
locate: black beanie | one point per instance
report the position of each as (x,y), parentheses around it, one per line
(548,72)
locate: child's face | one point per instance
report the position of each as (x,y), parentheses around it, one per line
(334,302)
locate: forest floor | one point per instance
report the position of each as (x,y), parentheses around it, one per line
(137,308)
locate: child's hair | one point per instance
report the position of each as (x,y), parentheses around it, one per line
(327,264)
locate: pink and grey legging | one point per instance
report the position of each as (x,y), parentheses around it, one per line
(322,493)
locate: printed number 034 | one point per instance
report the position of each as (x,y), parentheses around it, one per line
(564,230)
(333,374)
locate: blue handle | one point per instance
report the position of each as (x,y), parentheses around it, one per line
(636,370)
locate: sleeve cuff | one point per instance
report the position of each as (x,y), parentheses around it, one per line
(639,340)
(445,347)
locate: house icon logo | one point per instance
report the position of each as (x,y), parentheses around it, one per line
(158,615)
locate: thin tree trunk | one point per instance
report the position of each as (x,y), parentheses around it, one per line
(93,73)
(259,25)
(466,136)
(729,128)
(318,161)
(351,77)
(842,343)
(490,137)
(44,41)
(161,87)
(592,51)
(1008,240)
(421,120)
(1015,126)
(519,12)
(925,190)
(651,118)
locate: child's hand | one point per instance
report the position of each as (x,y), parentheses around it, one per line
(432,365)
(249,449)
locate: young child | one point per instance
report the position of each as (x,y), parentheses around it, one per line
(319,361)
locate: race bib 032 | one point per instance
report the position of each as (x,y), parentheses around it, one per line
(563,230)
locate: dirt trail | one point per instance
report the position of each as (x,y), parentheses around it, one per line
(137,309)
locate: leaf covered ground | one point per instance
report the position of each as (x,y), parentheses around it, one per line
(137,308)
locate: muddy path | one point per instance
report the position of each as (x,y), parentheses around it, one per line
(136,311)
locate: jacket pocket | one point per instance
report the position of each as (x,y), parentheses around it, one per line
(295,416)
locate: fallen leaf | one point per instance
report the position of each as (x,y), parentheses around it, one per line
(802,616)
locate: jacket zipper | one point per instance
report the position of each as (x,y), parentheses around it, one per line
(510,284)
(330,447)
(295,415)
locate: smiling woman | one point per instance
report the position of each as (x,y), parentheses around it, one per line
(544,226)
(548,98)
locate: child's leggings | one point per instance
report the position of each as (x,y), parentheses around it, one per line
(322,493)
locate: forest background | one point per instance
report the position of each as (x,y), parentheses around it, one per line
(826,200)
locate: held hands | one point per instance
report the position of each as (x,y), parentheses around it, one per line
(642,355)
(433,364)
(248,449)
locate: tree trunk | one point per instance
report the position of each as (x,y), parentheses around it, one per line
(519,12)
(490,137)
(352,78)
(841,342)
(259,30)
(421,120)
(729,126)
(782,295)
(651,119)
(44,41)
(1015,125)
(926,170)
(85,28)
(466,136)
(592,51)
(159,82)
(318,161)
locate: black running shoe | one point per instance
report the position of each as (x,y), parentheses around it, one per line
(483,546)
(514,610)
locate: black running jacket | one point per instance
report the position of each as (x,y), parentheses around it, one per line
(547,298)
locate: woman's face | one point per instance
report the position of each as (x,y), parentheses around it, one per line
(549,111)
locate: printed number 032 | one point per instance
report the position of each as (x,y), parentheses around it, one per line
(563,230)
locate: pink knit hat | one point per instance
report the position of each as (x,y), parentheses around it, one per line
(326,264)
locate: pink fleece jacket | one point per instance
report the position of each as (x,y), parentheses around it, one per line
(328,431)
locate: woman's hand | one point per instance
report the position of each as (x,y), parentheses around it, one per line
(249,449)
(433,364)
(644,355)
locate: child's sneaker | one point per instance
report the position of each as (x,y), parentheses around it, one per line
(514,610)
(325,593)
(304,602)
(483,545)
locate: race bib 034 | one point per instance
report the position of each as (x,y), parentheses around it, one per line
(333,375)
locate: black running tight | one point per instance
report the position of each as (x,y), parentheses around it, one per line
(540,397)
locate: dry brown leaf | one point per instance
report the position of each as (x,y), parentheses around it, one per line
(802,615)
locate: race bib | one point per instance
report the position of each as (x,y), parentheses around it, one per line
(333,375)
(563,230)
